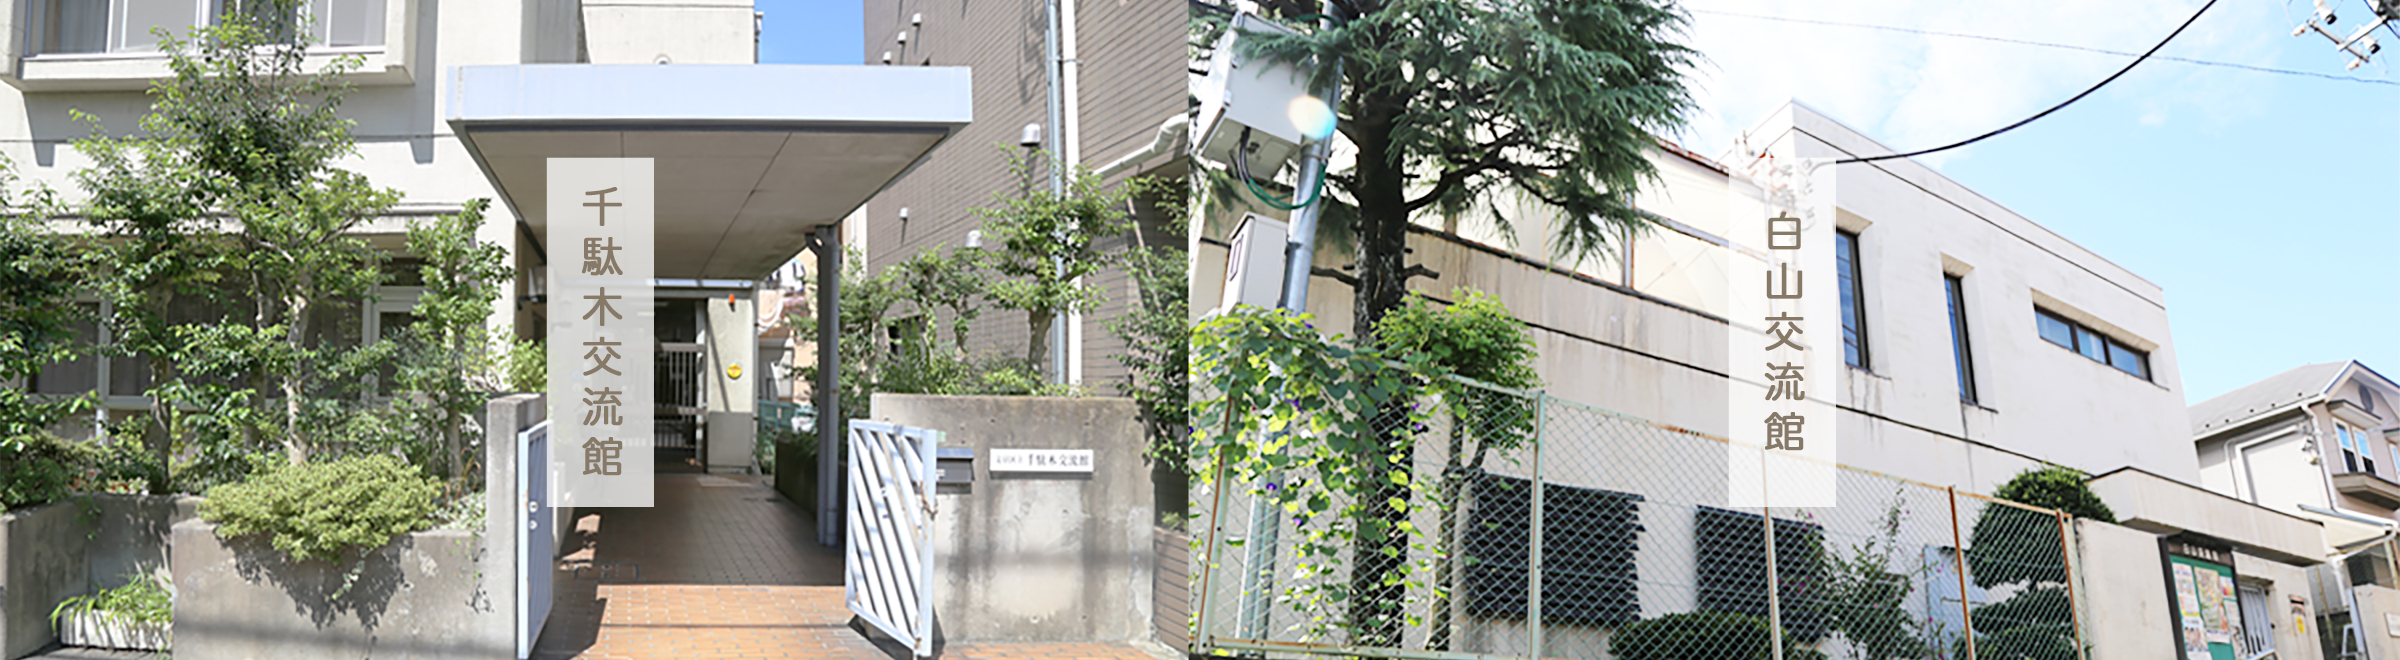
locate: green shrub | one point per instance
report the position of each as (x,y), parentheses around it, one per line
(322,510)
(143,598)
(2012,545)
(1703,636)
(528,366)
(2058,488)
(41,469)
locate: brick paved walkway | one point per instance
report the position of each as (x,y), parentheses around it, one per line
(725,567)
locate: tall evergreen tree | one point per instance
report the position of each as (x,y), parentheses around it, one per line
(1455,106)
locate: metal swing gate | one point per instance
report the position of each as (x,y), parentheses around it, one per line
(536,539)
(887,560)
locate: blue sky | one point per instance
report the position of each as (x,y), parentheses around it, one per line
(811,31)
(2262,203)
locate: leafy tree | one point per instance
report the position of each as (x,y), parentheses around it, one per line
(462,279)
(1047,242)
(2013,545)
(866,300)
(36,322)
(2022,547)
(1866,592)
(2061,488)
(528,367)
(1156,328)
(244,135)
(1452,105)
(953,280)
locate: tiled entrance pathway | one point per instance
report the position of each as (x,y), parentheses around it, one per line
(724,567)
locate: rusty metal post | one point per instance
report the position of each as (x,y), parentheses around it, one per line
(1958,547)
(2066,553)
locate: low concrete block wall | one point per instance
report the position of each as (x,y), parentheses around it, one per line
(73,547)
(1040,557)
(433,594)
(43,551)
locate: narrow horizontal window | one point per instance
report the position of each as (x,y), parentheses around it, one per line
(2054,329)
(2087,342)
(2091,344)
(2127,360)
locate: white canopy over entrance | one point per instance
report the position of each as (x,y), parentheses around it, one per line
(751,158)
(754,163)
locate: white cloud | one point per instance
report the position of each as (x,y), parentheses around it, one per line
(1912,91)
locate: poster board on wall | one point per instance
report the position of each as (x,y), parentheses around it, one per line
(2207,610)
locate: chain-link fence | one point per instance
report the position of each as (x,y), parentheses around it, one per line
(1500,508)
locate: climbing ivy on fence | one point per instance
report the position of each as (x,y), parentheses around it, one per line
(1284,404)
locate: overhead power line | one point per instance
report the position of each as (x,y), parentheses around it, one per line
(2137,61)
(2047,44)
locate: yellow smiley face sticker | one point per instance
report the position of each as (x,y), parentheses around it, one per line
(733,371)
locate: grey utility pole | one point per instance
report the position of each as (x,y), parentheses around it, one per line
(1299,256)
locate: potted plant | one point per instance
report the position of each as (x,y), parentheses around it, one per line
(133,616)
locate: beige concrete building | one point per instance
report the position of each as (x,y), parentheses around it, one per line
(2320,441)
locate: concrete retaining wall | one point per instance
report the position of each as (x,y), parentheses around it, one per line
(1040,558)
(68,548)
(2123,592)
(435,594)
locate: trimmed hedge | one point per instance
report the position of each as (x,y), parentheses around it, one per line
(323,510)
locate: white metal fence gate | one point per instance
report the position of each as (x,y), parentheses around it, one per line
(888,557)
(536,539)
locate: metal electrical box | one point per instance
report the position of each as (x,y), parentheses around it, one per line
(1242,92)
(1254,265)
(953,465)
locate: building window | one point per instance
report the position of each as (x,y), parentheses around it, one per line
(1732,568)
(1854,300)
(2356,456)
(81,373)
(1589,538)
(2258,630)
(2090,343)
(66,27)
(1958,337)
